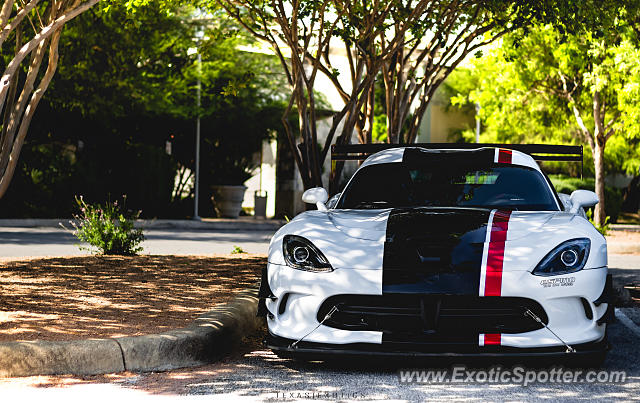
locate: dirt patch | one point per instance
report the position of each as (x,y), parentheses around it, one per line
(110,296)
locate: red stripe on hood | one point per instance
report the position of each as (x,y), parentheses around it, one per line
(495,258)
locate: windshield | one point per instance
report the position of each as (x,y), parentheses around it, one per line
(399,185)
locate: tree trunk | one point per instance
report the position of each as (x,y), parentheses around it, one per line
(10,147)
(598,157)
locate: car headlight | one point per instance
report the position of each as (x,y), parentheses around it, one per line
(568,257)
(301,254)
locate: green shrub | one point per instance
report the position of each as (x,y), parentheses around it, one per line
(612,196)
(603,229)
(237,250)
(108,228)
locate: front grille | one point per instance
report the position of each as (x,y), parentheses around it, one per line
(401,314)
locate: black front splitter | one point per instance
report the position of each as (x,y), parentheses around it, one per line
(320,351)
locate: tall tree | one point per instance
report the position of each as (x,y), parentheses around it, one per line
(32,29)
(552,85)
(442,38)
(126,84)
(412,44)
(300,32)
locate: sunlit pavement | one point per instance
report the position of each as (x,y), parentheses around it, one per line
(624,261)
(261,376)
(37,242)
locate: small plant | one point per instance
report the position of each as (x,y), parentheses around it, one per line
(237,250)
(108,228)
(603,229)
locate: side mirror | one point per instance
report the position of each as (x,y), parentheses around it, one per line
(582,198)
(317,196)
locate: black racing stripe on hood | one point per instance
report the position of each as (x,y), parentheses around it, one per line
(479,158)
(434,250)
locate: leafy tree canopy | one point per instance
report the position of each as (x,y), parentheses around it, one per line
(413,45)
(141,55)
(557,87)
(519,88)
(127,83)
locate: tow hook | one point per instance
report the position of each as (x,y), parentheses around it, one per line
(326,318)
(535,317)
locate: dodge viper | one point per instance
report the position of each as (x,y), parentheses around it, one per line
(439,252)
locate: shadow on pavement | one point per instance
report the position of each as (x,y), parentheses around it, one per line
(254,372)
(625,276)
(251,372)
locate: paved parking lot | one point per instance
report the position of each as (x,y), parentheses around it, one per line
(19,241)
(256,374)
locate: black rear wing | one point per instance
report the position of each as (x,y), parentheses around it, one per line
(539,152)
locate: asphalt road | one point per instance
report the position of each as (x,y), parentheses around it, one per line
(263,376)
(19,242)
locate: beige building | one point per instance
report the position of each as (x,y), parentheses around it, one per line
(440,123)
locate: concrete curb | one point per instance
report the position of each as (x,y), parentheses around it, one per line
(204,341)
(225,224)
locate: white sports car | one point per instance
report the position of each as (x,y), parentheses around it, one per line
(440,252)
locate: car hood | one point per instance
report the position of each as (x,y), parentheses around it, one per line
(372,224)
(433,238)
(361,224)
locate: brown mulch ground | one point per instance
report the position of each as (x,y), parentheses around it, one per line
(70,298)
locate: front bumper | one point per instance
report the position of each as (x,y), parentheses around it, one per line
(320,351)
(292,301)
